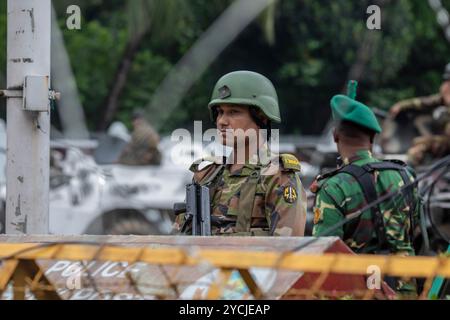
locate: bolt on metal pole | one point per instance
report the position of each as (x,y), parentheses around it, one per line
(28,132)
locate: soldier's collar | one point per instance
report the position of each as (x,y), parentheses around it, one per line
(360,155)
(245,171)
(262,158)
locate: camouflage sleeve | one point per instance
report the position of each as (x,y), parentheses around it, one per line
(286,205)
(327,211)
(420,103)
(397,232)
(177,224)
(398,222)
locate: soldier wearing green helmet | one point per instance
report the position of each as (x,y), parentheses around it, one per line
(250,197)
(359,181)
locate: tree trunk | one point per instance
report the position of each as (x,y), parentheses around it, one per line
(365,50)
(70,110)
(111,104)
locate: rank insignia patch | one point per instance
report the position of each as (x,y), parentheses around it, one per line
(290,194)
(317,215)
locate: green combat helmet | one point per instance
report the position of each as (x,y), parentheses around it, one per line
(246,88)
(346,108)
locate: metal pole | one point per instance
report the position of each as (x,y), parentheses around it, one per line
(28,132)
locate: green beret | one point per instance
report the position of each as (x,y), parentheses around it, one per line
(345,108)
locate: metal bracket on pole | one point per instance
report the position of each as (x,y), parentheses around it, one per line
(54,95)
(11,93)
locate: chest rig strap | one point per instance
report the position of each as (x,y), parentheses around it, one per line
(365,180)
(408,193)
(364,176)
(246,202)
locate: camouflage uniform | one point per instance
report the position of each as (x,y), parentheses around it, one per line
(248,202)
(436,145)
(339,194)
(428,102)
(262,197)
(143,147)
(421,103)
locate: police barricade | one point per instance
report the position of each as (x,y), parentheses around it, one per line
(167,267)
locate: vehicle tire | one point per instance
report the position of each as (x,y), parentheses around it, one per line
(128,223)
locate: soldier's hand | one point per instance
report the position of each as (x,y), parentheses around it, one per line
(314,186)
(416,154)
(423,140)
(439,145)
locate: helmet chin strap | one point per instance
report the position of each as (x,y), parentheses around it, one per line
(214,114)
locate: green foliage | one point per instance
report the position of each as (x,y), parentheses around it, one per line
(307,48)
(94,51)
(147,72)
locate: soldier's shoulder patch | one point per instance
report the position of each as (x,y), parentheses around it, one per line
(289,162)
(290,194)
(317,215)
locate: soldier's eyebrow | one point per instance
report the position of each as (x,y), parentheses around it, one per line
(238,108)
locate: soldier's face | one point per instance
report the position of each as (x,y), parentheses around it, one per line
(231,118)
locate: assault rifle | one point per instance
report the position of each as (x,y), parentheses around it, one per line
(196,210)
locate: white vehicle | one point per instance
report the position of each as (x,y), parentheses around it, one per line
(90,198)
(90,194)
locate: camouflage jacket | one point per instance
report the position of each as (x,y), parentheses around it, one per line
(422,103)
(248,201)
(428,104)
(341,194)
(143,147)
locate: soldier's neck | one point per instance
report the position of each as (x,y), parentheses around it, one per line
(349,152)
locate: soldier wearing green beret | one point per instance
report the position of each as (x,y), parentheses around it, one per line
(249,197)
(383,229)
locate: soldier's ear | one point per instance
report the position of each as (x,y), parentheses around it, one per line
(335,136)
